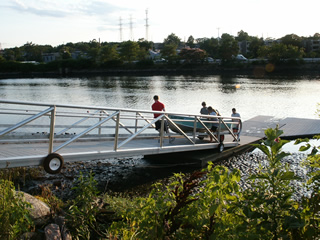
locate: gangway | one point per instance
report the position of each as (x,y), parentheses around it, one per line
(48,135)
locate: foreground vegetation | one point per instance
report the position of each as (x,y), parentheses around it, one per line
(207,204)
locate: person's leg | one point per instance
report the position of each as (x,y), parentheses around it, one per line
(158,125)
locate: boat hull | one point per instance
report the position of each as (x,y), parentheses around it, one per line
(186,124)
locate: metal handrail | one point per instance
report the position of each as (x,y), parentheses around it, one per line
(117,114)
(108,108)
(26,121)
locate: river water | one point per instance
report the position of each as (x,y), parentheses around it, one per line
(278,96)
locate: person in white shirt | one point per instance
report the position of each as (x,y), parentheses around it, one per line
(235,127)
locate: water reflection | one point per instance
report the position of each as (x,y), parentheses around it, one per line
(280,97)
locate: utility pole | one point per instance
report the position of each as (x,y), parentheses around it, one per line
(147,25)
(218,35)
(120,28)
(131,28)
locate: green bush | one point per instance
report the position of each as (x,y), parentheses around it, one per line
(82,214)
(14,214)
(310,204)
(210,204)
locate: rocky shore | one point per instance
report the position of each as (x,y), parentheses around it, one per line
(135,175)
(129,174)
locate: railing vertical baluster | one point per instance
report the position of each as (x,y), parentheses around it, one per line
(116,135)
(194,128)
(100,119)
(161,132)
(52,124)
(136,124)
(219,130)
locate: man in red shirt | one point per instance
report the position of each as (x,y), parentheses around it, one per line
(158,106)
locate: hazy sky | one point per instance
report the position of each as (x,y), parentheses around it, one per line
(55,22)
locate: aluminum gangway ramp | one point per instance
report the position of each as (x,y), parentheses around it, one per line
(48,135)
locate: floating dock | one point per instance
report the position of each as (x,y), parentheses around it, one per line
(48,135)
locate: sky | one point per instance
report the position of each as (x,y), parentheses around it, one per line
(57,22)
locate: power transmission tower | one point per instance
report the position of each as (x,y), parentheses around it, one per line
(120,28)
(147,26)
(131,29)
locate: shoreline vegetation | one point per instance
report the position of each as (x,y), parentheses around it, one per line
(74,69)
(242,54)
(269,200)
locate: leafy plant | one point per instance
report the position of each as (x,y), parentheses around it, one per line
(14,214)
(82,213)
(268,209)
(311,206)
(189,207)
(49,198)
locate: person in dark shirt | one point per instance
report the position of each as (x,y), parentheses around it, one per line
(204,109)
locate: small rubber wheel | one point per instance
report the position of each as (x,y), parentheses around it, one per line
(53,163)
(221,147)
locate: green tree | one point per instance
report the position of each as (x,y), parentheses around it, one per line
(292,39)
(129,50)
(65,53)
(190,41)
(82,46)
(316,36)
(9,54)
(210,45)
(108,53)
(242,36)
(32,52)
(145,45)
(228,47)
(279,52)
(255,45)
(172,39)
(169,51)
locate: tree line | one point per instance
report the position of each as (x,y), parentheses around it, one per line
(172,49)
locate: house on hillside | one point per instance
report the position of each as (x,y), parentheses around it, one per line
(154,55)
(49,57)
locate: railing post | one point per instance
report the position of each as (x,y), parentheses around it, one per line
(52,124)
(116,135)
(136,124)
(100,119)
(219,130)
(161,132)
(194,128)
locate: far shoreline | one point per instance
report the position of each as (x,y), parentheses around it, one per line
(256,71)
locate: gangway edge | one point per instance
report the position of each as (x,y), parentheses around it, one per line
(45,134)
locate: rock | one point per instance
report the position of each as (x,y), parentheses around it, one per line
(52,232)
(31,235)
(40,212)
(65,234)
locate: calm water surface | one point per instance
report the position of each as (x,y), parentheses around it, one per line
(279,97)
